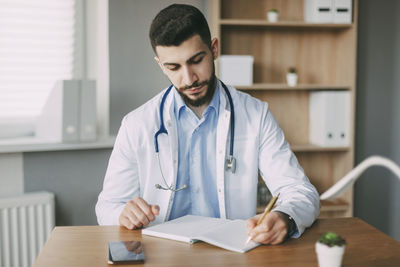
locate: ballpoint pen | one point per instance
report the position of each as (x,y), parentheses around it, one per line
(268,208)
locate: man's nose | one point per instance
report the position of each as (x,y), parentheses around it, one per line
(189,76)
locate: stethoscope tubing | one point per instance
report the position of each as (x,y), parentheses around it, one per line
(162,128)
(230,163)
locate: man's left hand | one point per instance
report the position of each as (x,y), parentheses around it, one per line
(272,230)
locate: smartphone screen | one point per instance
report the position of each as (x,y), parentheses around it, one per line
(125,252)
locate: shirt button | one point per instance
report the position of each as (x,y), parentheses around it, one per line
(219,190)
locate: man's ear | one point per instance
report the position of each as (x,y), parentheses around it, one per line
(214,48)
(159,64)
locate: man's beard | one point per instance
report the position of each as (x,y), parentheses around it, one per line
(211,85)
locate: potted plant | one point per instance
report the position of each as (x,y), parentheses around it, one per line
(330,249)
(272,15)
(291,76)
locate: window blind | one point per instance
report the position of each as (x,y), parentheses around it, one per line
(37,43)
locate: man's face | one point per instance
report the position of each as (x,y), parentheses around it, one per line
(190,68)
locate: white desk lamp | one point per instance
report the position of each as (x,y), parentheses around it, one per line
(353,175)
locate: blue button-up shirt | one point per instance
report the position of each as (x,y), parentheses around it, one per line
(196,160)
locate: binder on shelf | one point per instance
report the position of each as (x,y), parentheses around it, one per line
(329,118)
(236,69)
(318,11)
(87,109)
(342,11)
(342,105)
(59,121)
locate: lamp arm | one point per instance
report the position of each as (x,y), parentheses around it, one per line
(352,176)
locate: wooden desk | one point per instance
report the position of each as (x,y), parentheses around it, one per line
(87,246)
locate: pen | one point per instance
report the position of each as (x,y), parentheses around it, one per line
(268,208)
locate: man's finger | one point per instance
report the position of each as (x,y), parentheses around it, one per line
(131,215)
(252,222)
(263,238)
(155,209)
(146,209)
(124,221)
(265,226)
(279,239)
(141,216)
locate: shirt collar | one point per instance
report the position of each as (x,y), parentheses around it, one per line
(180,105)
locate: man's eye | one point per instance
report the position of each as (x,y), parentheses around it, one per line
(197,60)
(173,68)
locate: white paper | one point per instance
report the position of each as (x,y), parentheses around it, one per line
(227,234)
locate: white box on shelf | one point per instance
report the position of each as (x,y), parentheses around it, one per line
(342,109)
(318,11)
(59,121)
(88,118)
(69,115)
(329,118)
(342,11)
(236,69)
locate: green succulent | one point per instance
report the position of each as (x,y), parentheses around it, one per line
(274,10)
(332,239)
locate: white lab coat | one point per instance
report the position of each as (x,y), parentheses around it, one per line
(259,145)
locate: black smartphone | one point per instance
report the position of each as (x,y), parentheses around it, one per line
(120,252)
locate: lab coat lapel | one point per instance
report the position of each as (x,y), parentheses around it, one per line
(222,135)
(171,161)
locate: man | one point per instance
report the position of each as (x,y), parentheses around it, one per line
(173,157)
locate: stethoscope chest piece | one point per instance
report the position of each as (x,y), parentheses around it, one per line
(230,163)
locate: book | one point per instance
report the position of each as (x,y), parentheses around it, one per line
(227,234)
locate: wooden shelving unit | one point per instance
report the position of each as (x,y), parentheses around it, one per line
(292,24)
(284,86)
(325,57)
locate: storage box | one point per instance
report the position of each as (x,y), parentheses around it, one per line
(330,118)
(236,69)
(318,11)
(342,11)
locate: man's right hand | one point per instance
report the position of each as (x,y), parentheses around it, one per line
(137,213)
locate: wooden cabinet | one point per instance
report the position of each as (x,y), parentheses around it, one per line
(325,57)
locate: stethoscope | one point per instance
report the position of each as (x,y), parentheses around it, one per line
(230,162)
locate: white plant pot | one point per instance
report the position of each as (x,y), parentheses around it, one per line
(291,79)
(329,256)
(272,16)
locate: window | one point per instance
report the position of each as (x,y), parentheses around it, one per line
(37,48)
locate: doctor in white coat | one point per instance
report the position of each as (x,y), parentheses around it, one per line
(198,146)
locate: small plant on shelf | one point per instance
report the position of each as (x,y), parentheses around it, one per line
(291,77)
(273,15)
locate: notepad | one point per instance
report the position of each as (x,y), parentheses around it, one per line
(227,234)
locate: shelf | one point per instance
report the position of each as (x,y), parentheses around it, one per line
(334,205)
(325,54)
(326,205)
(283,86)
(32,144)
(315,148)
(281,24)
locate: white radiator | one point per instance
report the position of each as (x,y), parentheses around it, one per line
(25,224)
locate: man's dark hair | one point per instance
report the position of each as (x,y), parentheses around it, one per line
(176,23)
